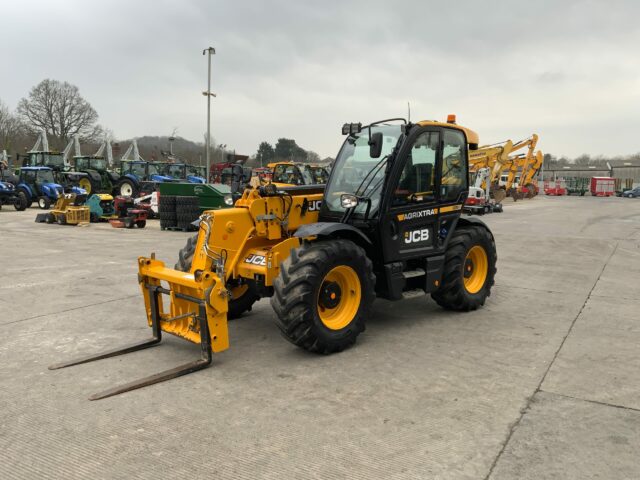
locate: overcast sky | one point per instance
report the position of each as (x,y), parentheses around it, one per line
(569,71)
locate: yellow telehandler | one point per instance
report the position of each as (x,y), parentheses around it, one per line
(393,230)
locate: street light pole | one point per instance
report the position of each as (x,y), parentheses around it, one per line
(208,94)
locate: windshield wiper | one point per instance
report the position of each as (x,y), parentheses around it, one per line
(374,170)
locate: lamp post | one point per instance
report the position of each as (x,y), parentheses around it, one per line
(208,94)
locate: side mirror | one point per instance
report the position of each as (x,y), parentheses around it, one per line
(375,145)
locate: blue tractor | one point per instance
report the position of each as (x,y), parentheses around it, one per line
(36,184)
(140,176)
(9,194)
(185,173)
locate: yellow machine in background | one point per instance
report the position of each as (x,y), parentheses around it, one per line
(69,209)
(494,157)
(520,170)
(290,174)
(524,168)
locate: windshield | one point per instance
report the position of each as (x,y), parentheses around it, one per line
(176,171)
(154,169)
(320,175)
(98,164)
(45,176)
(137,169)
(355,172)
(53,159)
(46,159)
(197,171)
(307,177)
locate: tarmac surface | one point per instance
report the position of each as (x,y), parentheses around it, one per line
(542,383)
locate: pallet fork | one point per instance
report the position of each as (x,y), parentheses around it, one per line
(198,324)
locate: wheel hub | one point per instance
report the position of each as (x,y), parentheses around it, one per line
(468,268)
(330,294)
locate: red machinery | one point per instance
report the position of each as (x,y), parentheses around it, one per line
(603,186)
(129,215)
(555,187)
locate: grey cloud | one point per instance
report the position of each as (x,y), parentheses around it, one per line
(300,69)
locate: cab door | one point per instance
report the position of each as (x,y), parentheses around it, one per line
(409,215)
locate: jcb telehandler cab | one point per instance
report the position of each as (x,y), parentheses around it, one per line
(388,224)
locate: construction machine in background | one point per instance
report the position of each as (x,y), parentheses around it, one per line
(392,230)
(495,157)
(524,168)
(287,174)
(479,200)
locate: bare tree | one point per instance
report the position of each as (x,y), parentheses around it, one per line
(12,130)
(59,108)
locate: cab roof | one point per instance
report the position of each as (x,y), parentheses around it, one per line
(472,137)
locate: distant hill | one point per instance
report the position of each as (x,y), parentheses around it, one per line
(156,148)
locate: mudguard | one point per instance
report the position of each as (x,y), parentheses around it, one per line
(327,229)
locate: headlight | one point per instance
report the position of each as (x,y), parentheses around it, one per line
(348,200)
(228,199)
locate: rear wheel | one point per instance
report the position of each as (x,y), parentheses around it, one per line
(62,219)
(21,202)
(469,269)
(50,218)
(243,294)
(85,183)
(141,223)
(323,294)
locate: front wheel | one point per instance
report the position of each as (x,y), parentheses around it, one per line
(322,295)
(469,269)
(243,294)
(44,203)
(127,188)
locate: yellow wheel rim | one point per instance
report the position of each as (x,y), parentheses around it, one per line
(238,291)
(339,297)
(476,267)
(86,184)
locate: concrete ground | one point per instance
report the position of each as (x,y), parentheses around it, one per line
(544,382)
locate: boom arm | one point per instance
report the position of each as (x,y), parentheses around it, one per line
(133,148)
(42,141)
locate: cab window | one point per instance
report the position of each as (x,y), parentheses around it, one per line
(454,165)
(417,179)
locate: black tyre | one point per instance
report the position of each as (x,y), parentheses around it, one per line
(323,294)
(243,294)
(93,217)
(127,188)
(141,223)
(167,219)
(167,205)
(21,202)
(128,222)
(469,269)
(44,203)
(62,219)
(50,218)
